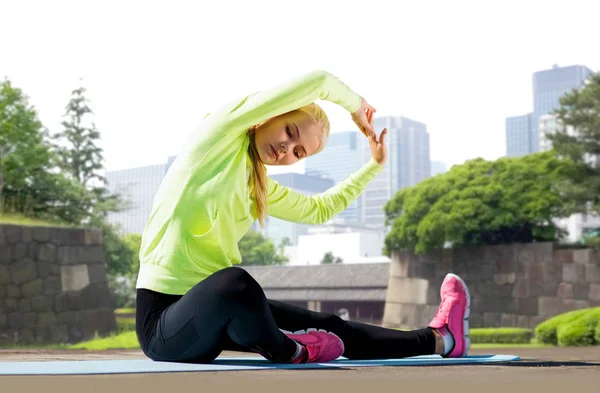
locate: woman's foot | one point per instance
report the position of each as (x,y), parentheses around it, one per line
(318,346)
(452,318)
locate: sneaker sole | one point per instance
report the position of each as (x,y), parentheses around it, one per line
(317,330)
(466,314)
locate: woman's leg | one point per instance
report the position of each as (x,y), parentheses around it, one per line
(446,335)
(228,306)
(361,341)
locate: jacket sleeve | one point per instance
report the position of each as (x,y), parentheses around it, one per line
(287,204)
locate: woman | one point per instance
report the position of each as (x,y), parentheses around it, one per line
(192,304)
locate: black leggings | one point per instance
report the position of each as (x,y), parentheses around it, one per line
(229,311)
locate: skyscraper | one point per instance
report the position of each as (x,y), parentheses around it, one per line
(518,135)
(337,161)
(408,163)
(277,229)
(548,87)
(137,186)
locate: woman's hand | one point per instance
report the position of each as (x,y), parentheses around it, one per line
(378,149)
(363,118)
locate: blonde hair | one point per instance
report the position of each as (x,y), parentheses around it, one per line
(258,173)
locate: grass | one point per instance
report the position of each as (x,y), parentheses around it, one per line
(17,219)
(125,340)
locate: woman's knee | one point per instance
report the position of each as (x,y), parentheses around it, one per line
(235,280)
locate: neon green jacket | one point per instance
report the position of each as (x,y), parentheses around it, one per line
(203,206)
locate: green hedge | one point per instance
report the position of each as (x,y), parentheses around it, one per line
(578,327)
(579,331)
(501,335)
(545,332)
(125,324)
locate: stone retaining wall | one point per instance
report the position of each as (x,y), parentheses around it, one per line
(53,285)
(516,285)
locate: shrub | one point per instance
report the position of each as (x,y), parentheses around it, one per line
(545,332)
(581,330)
(501,336)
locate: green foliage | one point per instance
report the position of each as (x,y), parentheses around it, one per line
(125,324)
(259,250)
(546,332)
(597,333)
(329,259)
(579,331)
(481,202)
(578,137)
(501,335)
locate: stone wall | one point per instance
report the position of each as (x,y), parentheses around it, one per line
(53,285)
(516,285)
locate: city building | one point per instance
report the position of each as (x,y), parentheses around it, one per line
(337,161)
(351,242)
(137,187)
(438,167)
(277,229)
(522,132)
(408,163)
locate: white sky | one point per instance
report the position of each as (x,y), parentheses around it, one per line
(153,68)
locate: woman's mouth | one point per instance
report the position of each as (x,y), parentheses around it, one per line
(274,152)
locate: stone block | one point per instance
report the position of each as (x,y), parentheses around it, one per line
(13,291)
(24,305)
(41,303)
(19,251)
(396,315)
(563,256)
(3,291)
(581,291)
(30,319)
(52,285)
(583,257)
(408,291)
(67,255)
(399,268)
(73,236)
(11,305)
(15,320)
(594,292)
(565,290)
(33,251)
(32,288)
(47,319)
(61,302)
(76,277)
(59,334)
(574,273)
(3,320)
(549,306)
(13,233)
(592,273)
(65,317)
(5,255)
(501,290)
(47,252)
(97,272)
(492,319)
(523,321)
(527,306)
(475,320)
(26,336)
(508,320)
(93,237)
(90,254)
(4,275)
(22,271)
(505,278)
(544,252)
(93,296)
(41,234)
(566,305)
(44,269)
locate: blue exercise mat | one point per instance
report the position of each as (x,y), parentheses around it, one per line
(224,364)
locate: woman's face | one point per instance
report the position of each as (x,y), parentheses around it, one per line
(288,138)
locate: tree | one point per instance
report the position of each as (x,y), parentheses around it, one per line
(578,137)
(24,150)
(259,250)
(329,259)
(481,202)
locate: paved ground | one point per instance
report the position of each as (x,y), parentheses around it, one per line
(545,370)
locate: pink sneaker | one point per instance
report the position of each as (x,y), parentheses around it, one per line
(454,313)
(320,346)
